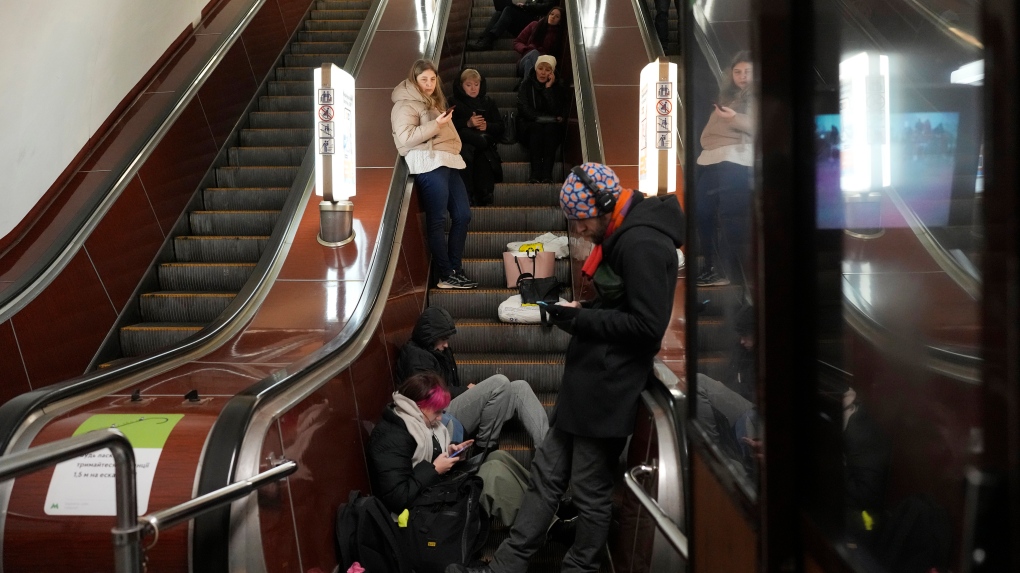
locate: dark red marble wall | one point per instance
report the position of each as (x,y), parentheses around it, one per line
(56,335)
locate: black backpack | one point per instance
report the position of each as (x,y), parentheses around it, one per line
(365,533)
(446,524)
(915,537)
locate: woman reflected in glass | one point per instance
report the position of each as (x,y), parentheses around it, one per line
(723,189)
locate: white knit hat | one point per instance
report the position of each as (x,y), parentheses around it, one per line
(546,60)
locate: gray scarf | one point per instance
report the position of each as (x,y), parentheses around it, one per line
(422,434)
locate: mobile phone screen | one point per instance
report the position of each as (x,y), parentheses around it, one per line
(457,453)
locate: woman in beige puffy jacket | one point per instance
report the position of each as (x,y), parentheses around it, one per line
(424,134)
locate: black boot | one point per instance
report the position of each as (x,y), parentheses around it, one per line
(484,43)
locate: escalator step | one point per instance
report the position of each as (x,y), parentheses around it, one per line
(299,137)
(242,198)
(536,219)
(287,103)
(301,88)
(491,244)
(314,60)
(328,36)
(714,335)
(144,338)
(543,372)
(720,299)
(483,335)
(519,171)
(251,156)
(342,5)
(279,119)
(475,303)
(204,276)
(506,84)
(490,273)
(504,98)
(526,194)
(512,153)
(294,74)
(321,47)
(318,25)
(474,59)
(190,248)
(233,222)
(339,14)
(276,176)
(181,306)
(507,70)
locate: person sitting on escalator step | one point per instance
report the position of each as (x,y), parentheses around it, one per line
(481,407)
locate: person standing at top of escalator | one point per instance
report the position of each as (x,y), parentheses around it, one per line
(723,188)
(480,126)
(510,18)
(613,343)
(543,37)
(542,104)
(424,134)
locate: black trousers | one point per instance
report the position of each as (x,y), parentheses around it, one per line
(543,140)
(588,465)
(478,176)
(509,19)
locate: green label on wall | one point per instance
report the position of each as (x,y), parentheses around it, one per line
(148,431)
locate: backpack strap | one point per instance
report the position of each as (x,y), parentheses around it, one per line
(347,528)
(377,513)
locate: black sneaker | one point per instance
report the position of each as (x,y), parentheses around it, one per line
(457,280)
(710,278)
(463,278)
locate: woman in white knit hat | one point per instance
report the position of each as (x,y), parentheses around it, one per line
(542,105)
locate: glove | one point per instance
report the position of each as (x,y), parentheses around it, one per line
(559,316)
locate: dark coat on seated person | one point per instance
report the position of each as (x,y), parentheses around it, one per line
(535,102)
(390,450)
(482,105)
(419,353)
(548,44)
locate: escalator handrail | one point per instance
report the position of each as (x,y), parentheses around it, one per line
(669,529)
(17,412)
(584,90)
(222,453)
(45,270)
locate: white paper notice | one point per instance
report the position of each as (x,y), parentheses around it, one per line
(86,485)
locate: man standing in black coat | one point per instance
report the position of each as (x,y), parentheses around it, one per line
(614,341)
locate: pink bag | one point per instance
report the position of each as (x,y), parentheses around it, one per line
(540,265)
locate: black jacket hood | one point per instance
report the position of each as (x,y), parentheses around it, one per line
(461,95)
(433,324)
(660,213)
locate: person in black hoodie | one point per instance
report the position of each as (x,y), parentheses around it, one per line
(613,343)
(480,126)
(481,407)
(541,112)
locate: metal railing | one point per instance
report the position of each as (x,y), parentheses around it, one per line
(129,557)
(669,529)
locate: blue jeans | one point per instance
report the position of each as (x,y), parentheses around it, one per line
(443,190)
(723,197)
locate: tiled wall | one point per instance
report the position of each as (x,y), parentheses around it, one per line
(56,335)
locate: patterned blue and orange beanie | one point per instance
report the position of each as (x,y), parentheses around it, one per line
(577,201)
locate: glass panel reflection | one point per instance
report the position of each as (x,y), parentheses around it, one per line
(723,119)
(898,188)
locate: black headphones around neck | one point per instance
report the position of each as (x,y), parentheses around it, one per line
(605,202)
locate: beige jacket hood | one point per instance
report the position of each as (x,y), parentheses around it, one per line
(413,122)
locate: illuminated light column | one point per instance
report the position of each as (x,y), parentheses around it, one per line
(865,154)
(657,130)
(335,165)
